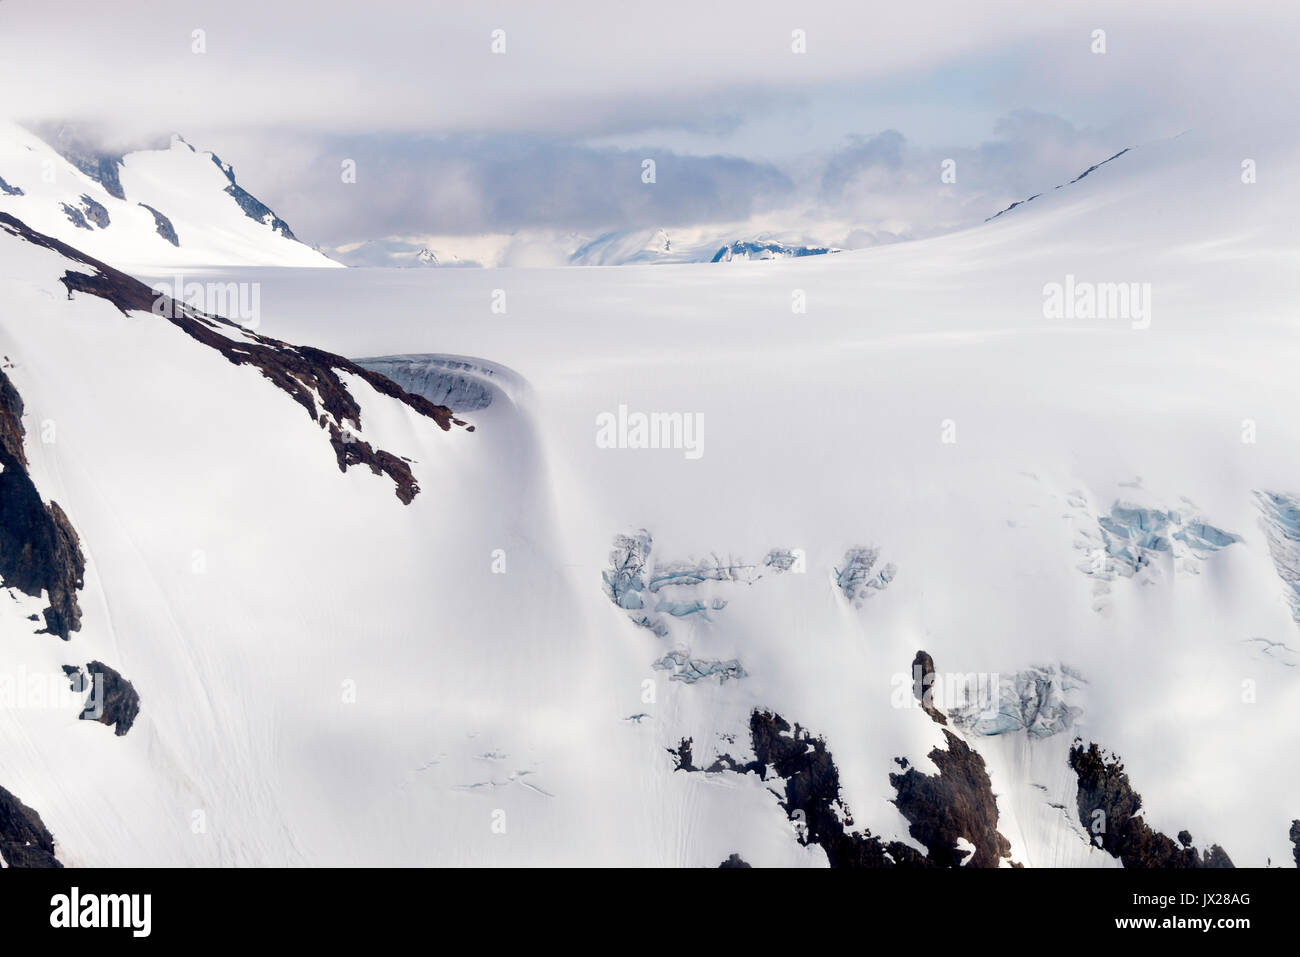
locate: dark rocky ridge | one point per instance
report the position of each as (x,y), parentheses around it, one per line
(1090,169)
(957,802)
(812,793)
(95,212)
(99,166)
(1104,787)
(922,685)
(9,190)
(1295,839)
(253,207)
(311,377)
(25,841)
(39,548)
(164,226)
(75,216)
(734,862)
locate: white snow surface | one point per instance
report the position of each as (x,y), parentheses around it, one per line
(487,701)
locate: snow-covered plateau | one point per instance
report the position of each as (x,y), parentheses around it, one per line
(644,567)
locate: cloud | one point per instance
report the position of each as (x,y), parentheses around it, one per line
(450,137)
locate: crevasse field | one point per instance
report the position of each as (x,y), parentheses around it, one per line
(328,676)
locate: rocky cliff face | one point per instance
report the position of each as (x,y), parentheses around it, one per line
(1108,810)
(25,841)
(39,549)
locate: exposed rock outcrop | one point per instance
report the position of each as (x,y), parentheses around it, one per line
(812,793)
(734,861)
(39,549)
(958,802)
(113,700)
(253,207)
(164,226)
(25,841)
(1108,810)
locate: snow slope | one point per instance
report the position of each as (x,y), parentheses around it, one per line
(163,208)
(921,458)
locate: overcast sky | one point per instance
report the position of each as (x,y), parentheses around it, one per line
(452,138)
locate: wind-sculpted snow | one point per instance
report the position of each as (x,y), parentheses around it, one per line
(1038,701)
(1281,520)
(1275,651)
(857,576)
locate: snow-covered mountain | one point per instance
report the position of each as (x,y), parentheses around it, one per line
(174,207)
(623,247)
(674,597)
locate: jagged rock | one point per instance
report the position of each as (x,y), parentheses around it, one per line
(812,793)
(24,839)
(164,226)
(9,190)
(253,207)
(39,549)
(1295,839)
(95,212)
(923,682)
(958,802)
(100,166)
(1108,810)
(734,861)
(75,216)
(113,700)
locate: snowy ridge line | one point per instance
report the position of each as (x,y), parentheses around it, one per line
(1090,169)
(165,205)
(311,377)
